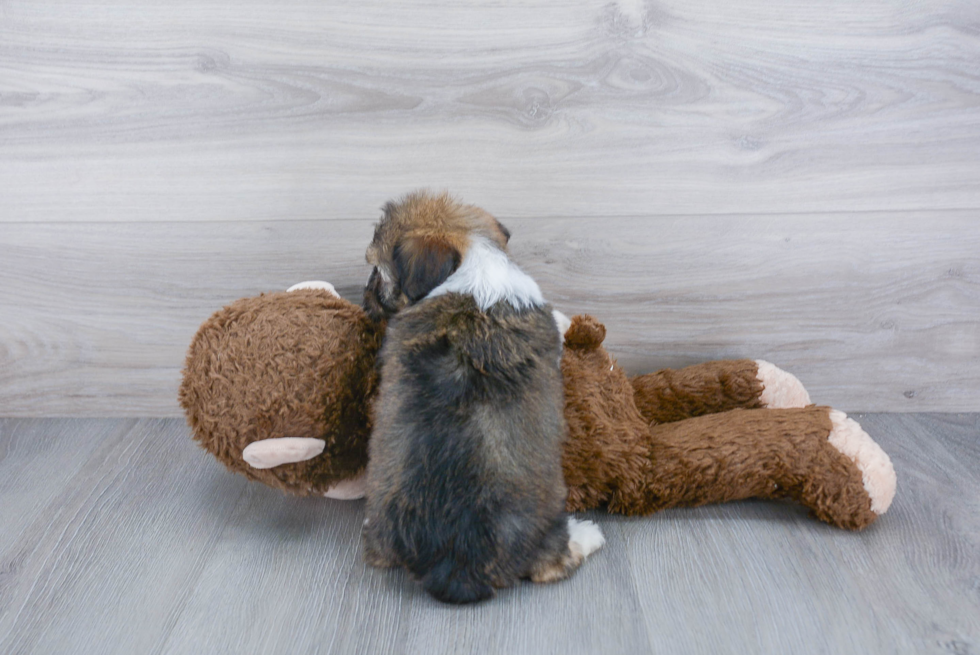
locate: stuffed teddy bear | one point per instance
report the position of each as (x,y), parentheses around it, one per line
(279,388)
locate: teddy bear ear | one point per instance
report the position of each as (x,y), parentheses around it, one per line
(585,332)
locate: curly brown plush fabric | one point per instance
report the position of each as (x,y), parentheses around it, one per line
(298,364)
(607,450)
(756,453)
(674,395)
(302,364)
(699,438)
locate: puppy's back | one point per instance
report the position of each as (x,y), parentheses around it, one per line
(467,479)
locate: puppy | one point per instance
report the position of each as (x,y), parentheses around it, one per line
(464,479)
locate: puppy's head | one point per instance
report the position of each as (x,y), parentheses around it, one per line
(419,242)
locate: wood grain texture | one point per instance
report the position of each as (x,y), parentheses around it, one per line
(712,179)
(147,545)
(871,311)
(206,111)
(108,564)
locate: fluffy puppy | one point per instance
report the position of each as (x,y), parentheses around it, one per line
(464,479)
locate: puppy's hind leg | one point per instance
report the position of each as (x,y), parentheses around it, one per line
(565,548)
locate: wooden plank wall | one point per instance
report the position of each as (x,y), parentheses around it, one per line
(795,181)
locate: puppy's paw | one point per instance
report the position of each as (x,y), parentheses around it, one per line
(378,560)
(584,536)
(780,389)
(374,553)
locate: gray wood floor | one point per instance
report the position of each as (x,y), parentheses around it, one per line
(792,180)
(121,536)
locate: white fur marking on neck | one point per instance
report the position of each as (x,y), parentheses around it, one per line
(489,276)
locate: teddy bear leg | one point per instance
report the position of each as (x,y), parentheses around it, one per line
(851,496)
(673,395)
(813,455)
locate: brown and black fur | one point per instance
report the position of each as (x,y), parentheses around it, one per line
(465,484)
(418,244)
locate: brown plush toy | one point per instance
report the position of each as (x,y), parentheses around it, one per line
(279,388)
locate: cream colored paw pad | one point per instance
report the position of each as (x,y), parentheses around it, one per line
(780,389)
(877,472)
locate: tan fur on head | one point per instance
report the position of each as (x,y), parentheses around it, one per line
(423,214)
(419,242)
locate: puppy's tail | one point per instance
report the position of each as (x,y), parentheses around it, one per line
(451,583)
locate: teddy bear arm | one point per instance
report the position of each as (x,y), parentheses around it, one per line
(673,395)
(813,455)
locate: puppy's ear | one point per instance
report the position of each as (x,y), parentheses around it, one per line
(423,263)
(504,231)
